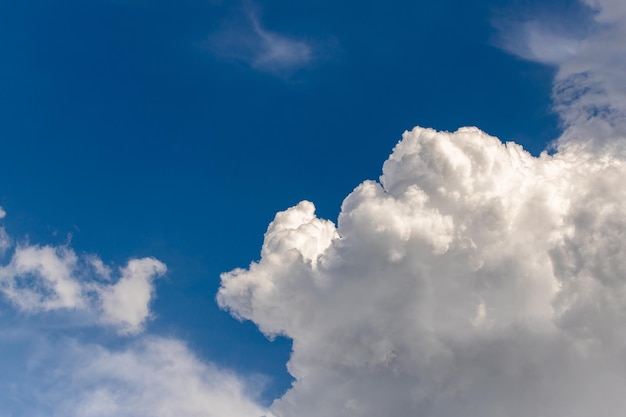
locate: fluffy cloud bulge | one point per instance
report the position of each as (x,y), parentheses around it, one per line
(473,279)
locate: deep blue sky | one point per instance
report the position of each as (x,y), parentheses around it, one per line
(122,127)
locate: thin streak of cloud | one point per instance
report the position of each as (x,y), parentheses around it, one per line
(249,42)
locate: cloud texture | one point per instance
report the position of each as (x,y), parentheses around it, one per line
(474,279)
(47,372)
(149,376)
(589,89)
(45,278)
(152,377)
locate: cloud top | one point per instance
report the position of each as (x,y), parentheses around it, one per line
(473,279)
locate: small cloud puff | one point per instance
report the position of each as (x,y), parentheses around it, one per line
(126,303)
(46,278)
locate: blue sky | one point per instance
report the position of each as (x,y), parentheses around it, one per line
(177,130)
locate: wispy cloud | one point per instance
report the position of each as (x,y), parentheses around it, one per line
(247,40)
(588,49)
(536,41)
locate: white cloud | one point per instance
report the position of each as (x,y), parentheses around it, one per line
(158,377)
(152,376)
(45,373)
(38,279)
(590,56)
(101,270)
(474,279)
(126,303)
(249,42)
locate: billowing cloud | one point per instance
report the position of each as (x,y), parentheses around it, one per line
(39,279)
(473,279)
(249,42)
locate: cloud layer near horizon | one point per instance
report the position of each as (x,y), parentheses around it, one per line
(474,279)
(153,376)
(50,370)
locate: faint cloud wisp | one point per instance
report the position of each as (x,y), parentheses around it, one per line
(247,41)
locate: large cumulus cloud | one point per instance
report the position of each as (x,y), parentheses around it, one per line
(473,279)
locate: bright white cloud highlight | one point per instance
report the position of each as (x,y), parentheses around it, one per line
(474,279)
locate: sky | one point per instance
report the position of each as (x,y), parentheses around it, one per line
(219,208)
